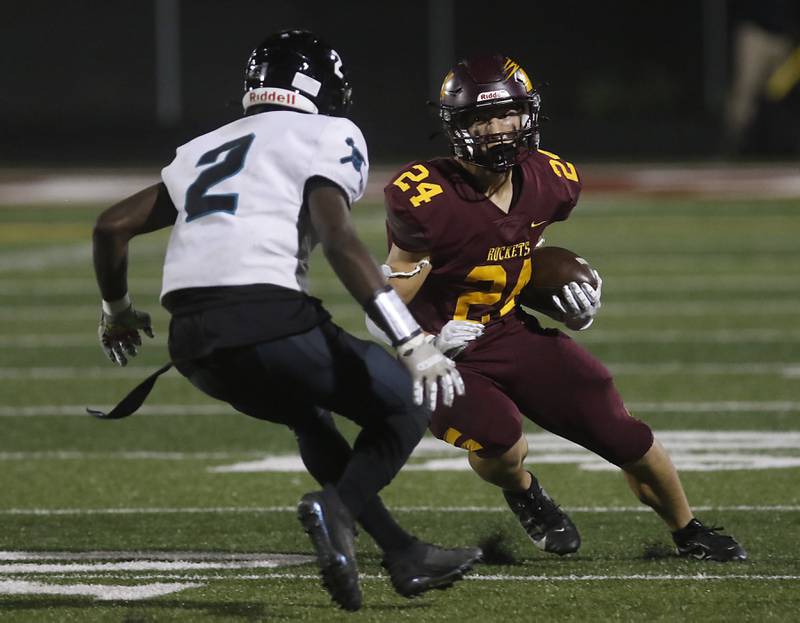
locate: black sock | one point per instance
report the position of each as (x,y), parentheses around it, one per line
(326,454)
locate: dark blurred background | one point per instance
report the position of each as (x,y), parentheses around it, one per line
(122,82)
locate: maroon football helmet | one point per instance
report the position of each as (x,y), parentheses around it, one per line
(479,85)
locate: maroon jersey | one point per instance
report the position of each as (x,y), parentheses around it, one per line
(481,256)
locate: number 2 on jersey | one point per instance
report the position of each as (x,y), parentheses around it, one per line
(198,201)
(425,190)
(560,167)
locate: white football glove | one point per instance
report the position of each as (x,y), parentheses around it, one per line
(456,335)
(579,302)
(429,369)
(119,333)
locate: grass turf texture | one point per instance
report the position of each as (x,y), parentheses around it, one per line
(702,295)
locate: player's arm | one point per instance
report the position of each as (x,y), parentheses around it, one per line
(148,210)
(330,217)
(407,272)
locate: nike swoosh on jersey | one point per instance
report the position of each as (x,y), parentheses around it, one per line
(535,224)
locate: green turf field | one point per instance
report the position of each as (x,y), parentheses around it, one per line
(182,512)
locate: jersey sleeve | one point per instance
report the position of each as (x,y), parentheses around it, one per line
(341,156)
(564,182)
(403,226)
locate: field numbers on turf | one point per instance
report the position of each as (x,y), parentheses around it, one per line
(696,451)
(101,592)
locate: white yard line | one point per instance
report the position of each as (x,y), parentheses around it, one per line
(628,577)
(687,442)
(672,308)
(47,257)
(101,592)
(617,284)
(691,336)
(86,339)
(400,509)
(477,577)
(140,566)
(725,406)
(284,559)
(131,455)
(134,371)
(789,370)
(52,286)
(600,336)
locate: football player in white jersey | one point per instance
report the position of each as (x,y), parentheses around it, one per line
(247,203)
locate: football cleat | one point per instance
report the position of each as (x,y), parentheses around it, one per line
(330,527)
(706,543)
(422,567)
(550,529)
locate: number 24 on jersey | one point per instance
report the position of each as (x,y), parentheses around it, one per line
(425,191)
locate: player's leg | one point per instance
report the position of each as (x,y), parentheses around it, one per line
(373,389)
(414,567)
(654,480)
(283,383)
(283,379)
(488,424)
(325,453)
(237,376)
(572,394)
(506,470)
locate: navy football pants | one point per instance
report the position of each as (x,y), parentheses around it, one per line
(292,380)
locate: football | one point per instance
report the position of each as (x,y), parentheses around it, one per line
(551,269)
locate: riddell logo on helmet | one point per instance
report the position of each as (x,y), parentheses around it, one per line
(492,95)
(272,97)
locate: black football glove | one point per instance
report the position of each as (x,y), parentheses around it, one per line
(119,333)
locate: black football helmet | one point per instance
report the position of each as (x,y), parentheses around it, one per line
(483,83)
(296,69)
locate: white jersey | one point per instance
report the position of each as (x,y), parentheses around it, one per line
(239,194)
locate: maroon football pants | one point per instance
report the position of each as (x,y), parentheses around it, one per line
(517,368)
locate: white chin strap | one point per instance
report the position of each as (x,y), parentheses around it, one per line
(274,96)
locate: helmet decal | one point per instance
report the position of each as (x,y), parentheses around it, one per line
(447,79)
(306,83)
(493,95)
(510,67)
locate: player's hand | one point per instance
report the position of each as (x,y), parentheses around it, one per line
(429,370)
(456,335)
(579,302)
(119,333)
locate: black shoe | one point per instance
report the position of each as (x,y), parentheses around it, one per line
(704,543)
(422,566)
(331,528)
(545,523)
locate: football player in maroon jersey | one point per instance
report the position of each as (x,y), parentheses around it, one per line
(461,231)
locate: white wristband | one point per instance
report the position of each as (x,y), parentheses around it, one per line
(392,316)
(115,307)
